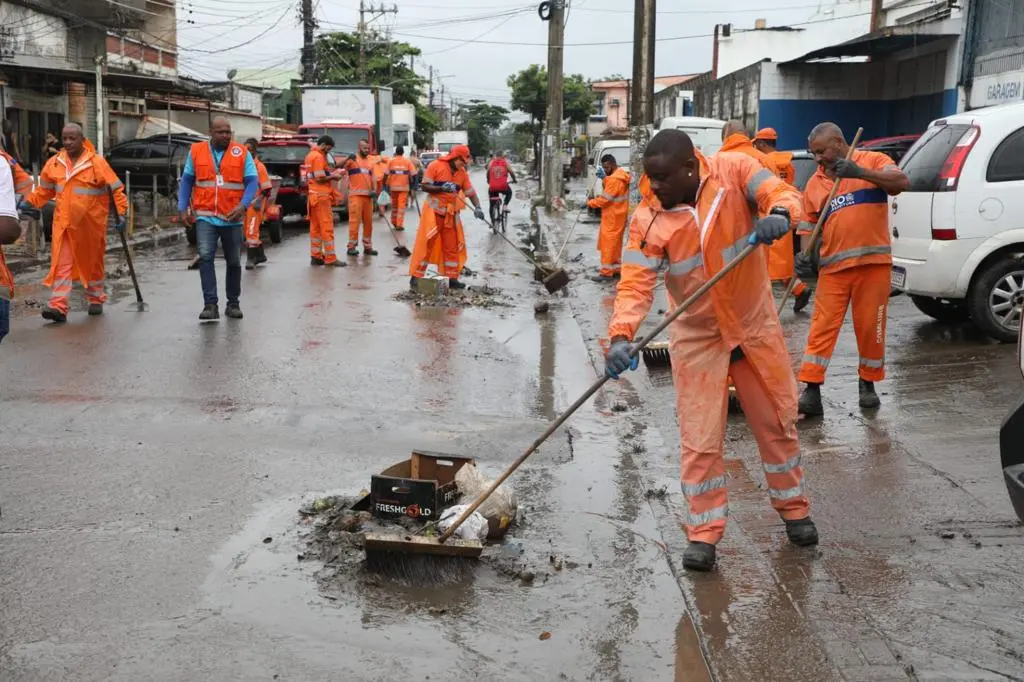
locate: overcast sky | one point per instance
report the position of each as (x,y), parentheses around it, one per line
(446,29)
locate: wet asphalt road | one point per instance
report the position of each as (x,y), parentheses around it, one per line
(146,458)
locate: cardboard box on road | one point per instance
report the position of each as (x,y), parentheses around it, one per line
(419,487)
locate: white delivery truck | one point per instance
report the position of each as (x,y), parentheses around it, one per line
(403,117)
(349,113)
(444,140)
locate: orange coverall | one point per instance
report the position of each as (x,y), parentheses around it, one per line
(399,175)
(254,214)
(854,268)
(79,243)
(614,205)
(689,245)
(440,227)
(320,200)
(780,254)
(360,200)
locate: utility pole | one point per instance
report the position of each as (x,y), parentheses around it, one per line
(641,114)
(375,12)
(430,96)
(308,57)
(553,118)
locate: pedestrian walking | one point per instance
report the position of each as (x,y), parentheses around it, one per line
(439,239)
(614,205)
(254,254)
(398,180)
(10,231)
(706,208)
(219,182)
(780,254)
(82,182)
(854,262)
(361,195)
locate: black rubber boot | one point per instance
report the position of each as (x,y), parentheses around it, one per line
(95,308)
(810,401)
(699,556)
(601,279)
(210,312)
(869,400)
(338,264)
(802,300)
(369,252)
(316,261)
(802,532)
(234,311)
(455,284)
(254,256)
(353,252)
(53,315)
(412,283)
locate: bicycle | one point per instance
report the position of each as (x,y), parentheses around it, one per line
(499,212)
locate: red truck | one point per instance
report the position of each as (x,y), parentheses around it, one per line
(285,155)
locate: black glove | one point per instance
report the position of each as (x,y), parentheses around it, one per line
(848,169)
(805,267)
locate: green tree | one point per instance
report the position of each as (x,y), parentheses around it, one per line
(530,95)
(387,64)
(480,120)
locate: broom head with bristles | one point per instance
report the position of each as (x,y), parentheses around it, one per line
(656,354)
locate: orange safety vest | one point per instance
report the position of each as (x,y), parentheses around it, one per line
(316,170)
(218,190)
(784,164)
(400,169)
(856,230)
(440,172)
(360,176)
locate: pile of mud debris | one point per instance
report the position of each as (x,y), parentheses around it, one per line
(481,296)
(332,533)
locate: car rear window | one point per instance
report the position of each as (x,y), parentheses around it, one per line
(803,170)
(925,159)
(285,153)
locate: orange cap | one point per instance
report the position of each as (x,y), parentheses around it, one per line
(459,151)
(766,134)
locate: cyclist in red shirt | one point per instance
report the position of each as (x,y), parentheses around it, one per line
(498,174)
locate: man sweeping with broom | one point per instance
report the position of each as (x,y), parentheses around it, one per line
(707,207)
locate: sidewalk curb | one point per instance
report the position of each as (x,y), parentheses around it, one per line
(151,237)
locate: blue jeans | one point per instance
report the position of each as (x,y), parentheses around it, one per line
(231,242)
(5,318)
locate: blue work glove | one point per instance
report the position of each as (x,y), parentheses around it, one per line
(618,359)
(600,173)
(25,208)
(848,169)
(450,187)
(770,228)
(120,224)
(479,214)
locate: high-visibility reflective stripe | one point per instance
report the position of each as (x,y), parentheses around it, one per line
(206,183)
(611,266)
(716,483)
(816,360)
(788,465)
(314,240)
(786,493)
(398,172)
(358,171)
(730,252)
(686,265)
(46,184)
(713,514)
(233,185)
(61,283)
(89,191)
(318,174)
(95,283)
(25,185)
(614,199)
(117,184)
(873,364)
(451,264)
(635,257)
(360,192)
(60,188)
(804,226)
(854,253)
(755,183)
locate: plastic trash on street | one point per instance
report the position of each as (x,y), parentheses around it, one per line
(474,528)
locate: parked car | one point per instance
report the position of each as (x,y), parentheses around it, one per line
(895,147)
(159,157)
(804,166)
(958,232)
(284,155)
(706,133)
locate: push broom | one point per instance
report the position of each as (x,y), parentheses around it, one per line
(403,552)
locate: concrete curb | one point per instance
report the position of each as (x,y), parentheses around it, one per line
(150,238)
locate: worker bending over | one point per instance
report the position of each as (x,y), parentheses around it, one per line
(708,207)
(361,195)
(780,254)
(83,183)
(439,226)
(614,205)
(257,209)
(854,262)
(398,179)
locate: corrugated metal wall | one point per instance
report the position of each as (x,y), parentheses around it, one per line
(998,36)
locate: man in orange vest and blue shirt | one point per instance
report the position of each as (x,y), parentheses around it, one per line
(219,182)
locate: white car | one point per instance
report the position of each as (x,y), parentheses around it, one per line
(706,133)
(617,148)
(958,232)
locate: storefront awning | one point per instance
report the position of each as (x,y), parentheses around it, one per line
(881,43)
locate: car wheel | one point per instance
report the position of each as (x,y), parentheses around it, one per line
(996,299)
(943,310)
(190,234)
(276,229)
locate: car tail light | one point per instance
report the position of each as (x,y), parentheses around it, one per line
(944,234)
(949,175)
